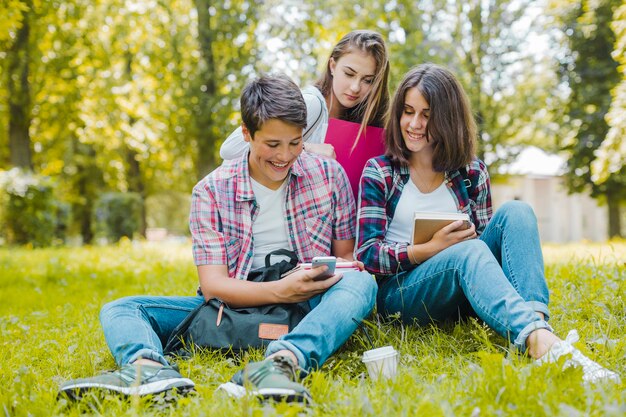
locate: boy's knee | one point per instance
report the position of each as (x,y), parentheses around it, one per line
(364,284)
(109,308)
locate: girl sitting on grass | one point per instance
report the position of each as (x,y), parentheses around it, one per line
(494,269)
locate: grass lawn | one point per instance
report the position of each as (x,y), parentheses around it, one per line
(50,332)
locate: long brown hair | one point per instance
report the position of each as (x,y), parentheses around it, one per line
(372,110)
(451,125)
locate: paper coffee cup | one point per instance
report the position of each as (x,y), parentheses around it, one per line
(381,362)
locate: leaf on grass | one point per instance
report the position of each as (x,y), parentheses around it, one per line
(604,341)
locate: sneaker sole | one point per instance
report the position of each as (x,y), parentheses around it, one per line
(274,394)
(183,385)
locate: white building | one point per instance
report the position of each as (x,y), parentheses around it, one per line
(535,178)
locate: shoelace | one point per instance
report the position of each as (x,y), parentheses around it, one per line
(593,370)
(285,366)
(572,336)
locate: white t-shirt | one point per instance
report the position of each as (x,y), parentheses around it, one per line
(316,124)
(269,229)
(412,200)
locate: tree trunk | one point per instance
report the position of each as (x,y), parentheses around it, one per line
(204,115)
(135,184)
(88,181)
(615,224)
(84,211)
(19,98)
(133,174)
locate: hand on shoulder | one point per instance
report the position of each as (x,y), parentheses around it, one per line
(322,149)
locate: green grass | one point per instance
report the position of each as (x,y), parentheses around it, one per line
(50,332)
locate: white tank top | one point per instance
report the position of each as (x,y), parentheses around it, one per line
(412,200)
(269,230)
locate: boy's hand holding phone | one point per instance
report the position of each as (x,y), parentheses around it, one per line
(334,266)
(329,261)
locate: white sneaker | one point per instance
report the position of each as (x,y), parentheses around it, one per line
(592,371)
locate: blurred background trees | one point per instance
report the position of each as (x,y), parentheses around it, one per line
(135,96)
(591,72)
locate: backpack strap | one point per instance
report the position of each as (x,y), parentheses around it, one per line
(470,186)
(293,258)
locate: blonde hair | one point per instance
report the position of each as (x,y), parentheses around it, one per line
(372,110)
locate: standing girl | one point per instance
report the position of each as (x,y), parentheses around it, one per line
(494,269)
(353,88)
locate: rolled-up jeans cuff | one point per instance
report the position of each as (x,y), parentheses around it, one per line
(520,341)
(148,354)
(539,307)
(278,345)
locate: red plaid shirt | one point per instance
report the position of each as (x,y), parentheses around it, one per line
(319,207)
(381,187)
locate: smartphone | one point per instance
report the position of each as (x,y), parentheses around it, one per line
(329,261)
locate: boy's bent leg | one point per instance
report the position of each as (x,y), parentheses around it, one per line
(318,335)
(134,328)
(138,327)
(331,322)
(131,379)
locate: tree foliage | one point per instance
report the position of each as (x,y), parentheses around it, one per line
(114,92)
(228,49)
(487,44)
(136,96)
(612,152)
(591,73)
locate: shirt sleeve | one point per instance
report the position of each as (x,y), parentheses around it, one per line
(482,198)
(234,146)
(379,256)
(345,209)
(316,115)
(206,228)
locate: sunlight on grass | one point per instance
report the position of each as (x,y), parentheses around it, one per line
(50,333)
(614,251)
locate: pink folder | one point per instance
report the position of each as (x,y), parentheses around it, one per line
(341,135)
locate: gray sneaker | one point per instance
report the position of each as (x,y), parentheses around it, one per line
(131,379)
(271,379)
(592,371)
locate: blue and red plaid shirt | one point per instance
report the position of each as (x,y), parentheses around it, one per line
(381,186)
(318,208)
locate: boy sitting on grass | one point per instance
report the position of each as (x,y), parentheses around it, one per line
(273,197)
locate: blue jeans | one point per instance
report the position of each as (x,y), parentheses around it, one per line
(498,277)
(331,320)
(138,327)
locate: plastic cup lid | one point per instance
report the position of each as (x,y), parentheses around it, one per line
(379,353)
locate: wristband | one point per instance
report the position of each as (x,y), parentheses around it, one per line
(410,255)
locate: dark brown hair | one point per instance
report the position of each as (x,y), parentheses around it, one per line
(372,110)
(273,96)
(451,125)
